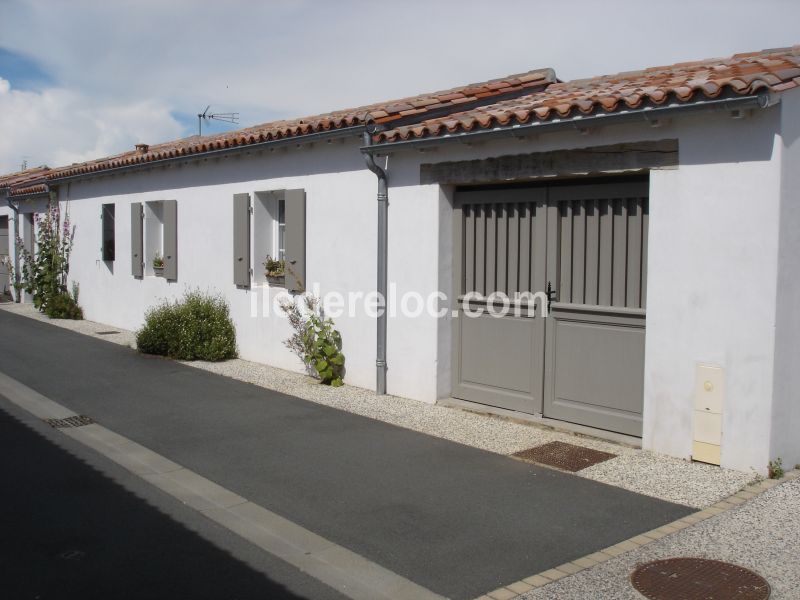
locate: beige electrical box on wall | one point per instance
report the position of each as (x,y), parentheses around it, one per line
(709,392)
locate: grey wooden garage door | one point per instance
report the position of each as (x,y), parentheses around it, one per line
(4,282)
(585,362)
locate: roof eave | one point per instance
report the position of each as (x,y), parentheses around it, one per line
(649,114)
(309,138)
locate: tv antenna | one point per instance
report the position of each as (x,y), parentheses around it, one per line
(232,117)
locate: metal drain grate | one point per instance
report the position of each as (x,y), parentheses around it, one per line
(106,332)
(564,456)
(76,421)
(698,579)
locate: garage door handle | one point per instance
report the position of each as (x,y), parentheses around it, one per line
(552,296)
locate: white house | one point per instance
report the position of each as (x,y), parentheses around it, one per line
(659,206)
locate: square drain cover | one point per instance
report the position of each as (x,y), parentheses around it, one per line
(76,421)
(564,456)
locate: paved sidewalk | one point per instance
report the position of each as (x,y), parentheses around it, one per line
(454,519)
(672,479)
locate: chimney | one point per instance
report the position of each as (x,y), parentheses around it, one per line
(142,148)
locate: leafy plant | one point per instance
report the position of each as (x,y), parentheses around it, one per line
(274,267)
(197,327)
(44,274)
(775,469)
(63,306)
(12,275)
(315,340)
(158,261)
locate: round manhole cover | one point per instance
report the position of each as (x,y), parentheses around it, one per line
(698,579)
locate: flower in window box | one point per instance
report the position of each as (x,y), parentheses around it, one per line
(158,264)
(275,270)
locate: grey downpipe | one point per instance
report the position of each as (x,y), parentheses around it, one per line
(383,232)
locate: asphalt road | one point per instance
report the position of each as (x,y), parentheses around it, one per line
(74,525)
(454,519)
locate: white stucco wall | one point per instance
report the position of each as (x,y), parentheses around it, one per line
(785,442)
(711,276)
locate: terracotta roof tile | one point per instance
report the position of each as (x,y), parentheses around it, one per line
(775,70)
(20,177)
(383,112)
(29,190)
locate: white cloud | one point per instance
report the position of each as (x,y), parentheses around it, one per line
(58,127)
(129,61)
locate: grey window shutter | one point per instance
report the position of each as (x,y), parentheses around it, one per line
(241,239)
(137,245)
(27,232)
(295,240)
(170,239)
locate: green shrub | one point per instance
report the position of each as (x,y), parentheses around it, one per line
(197,327)
(316,341)
(63,306)
(775,468)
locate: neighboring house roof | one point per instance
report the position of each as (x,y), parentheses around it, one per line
(22,177)
(382,112)
(31,190)
(742,74)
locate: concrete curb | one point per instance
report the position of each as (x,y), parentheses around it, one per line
(516,589)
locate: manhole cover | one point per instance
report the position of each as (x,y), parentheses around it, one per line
(106,332)
(564,456)
(76,421)
(698,579)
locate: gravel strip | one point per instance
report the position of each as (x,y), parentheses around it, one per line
(762,535)
(124,337)
(691,484)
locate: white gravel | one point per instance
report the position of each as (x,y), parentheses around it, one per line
(672,479)
(762,534)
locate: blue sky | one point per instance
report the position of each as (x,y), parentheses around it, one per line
(88,78)
(24,72)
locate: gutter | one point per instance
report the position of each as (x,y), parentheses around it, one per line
(383,230)
(649,114)
(289,141)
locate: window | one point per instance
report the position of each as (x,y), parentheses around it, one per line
(277,231)
(281,225)
(268,231)
(108,232)
(153,236)
(161,238)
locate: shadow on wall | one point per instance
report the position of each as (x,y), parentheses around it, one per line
(288,161)
(703,138)
(72,532)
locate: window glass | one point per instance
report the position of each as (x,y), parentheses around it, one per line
(281,229)
(108,232)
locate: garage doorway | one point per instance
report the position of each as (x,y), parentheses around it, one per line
(588,240)
(5,283)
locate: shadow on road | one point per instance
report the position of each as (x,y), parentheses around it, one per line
(68,531)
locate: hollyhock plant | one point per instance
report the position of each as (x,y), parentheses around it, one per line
(45,272)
